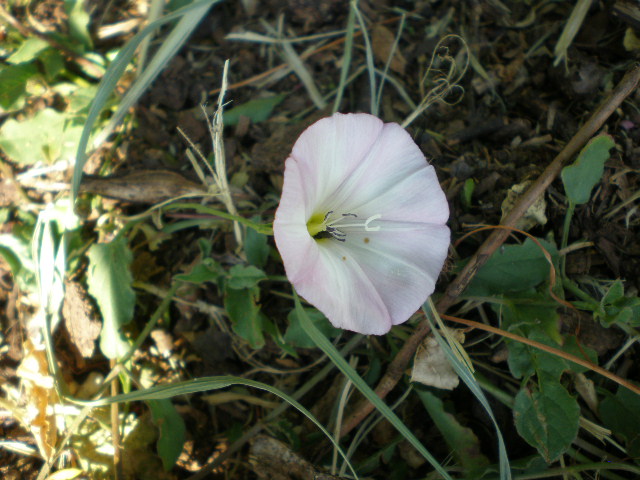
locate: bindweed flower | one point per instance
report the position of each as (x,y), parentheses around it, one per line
(361,222)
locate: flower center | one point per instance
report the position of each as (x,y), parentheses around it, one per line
(332,225)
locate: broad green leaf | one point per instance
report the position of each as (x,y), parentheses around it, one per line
(621,414)
(580,177)
(257,110)
(615,307)
(256,247)
(462,440)
(52,62)
(241,276)
(109,281)
(244,312)
(547,419)
(537,322)
(17,254)
(208,270)
(13,84)
(327,347)
(28,50)
(513,268)
(295,334)
(572,345)
(172,431)
(46,137)
(79,22)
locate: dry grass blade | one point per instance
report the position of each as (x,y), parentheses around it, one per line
(297,65)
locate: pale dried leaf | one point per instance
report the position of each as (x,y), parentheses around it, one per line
(431,367)
(382,40)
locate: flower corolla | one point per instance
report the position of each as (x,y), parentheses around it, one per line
(361,225)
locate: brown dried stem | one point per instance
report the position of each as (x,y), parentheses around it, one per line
(395,370)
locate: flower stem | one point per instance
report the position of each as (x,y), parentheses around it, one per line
(264,228)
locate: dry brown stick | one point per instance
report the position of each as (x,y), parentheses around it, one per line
(393,374)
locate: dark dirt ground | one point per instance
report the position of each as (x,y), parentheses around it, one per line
(509,124)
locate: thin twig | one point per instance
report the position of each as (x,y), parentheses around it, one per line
(115,431)
(396,368)
(554,351)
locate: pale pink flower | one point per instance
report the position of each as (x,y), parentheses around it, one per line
(361,224)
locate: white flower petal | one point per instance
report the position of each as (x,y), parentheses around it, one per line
(329,150)
(290,225)
(385,206)
(403,265)
(394,181)
(339,288)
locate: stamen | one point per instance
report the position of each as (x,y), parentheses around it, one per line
(333,228)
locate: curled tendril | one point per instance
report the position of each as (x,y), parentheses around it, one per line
(444,74)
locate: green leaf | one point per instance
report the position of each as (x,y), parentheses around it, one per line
(46,137)
(257,110)
(53,63)
(28,50)
(547,419)
(208,270)
(615,307)
(462,440)
(256,247)
(466,194)
(241,276)
(13,84)
(295,334)
(621,414)
(109,281)
(244,312)
(172,431)
(17,253)
(580,177)
(572,346)
(513,268)
(79,22)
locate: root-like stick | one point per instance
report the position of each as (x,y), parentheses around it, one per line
(394,372)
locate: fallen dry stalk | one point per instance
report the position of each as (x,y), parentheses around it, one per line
(396,368)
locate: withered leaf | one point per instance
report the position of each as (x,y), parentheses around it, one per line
(382,40)
(80,319)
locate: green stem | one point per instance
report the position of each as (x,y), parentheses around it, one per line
(265,229)
(578,292)
(565,234)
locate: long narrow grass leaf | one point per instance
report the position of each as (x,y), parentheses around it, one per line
(346,57)
(327,347)
(467,377)
(203,385)
(118,66)
(369,56)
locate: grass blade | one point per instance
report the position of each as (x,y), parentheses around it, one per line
(203,385)
(189,15)
(467,377)
(327,347)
